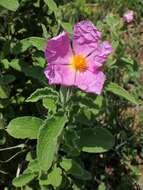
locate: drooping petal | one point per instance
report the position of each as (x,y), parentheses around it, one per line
(99,56)
(58,50)
(85,37)
(90,82)
(60,74)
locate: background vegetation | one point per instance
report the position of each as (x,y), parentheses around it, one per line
(101,146)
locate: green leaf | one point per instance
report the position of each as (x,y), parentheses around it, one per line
(32,71)
(54,178)
(118,90)
(128,60)
(4,89)
(41,93)
(24,44)
(16,64)
(45,32)
(33,166)
(50,104)
(23,179)
(69,146)
(67,26)
(98,140)
(52,5)
(48,140)
(24,127)
(102,186)
(38,42)
(11,5)
(5,63)
(75,169)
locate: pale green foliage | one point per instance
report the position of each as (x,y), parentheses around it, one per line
(11,5)
(102,187)
(24,127)
(23,179)
(54,178)
(47,146)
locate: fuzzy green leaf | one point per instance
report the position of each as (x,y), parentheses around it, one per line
(41,93)
(50,104)
(54,178)
(23,179)
(24,127)
(33,166)
(48,140)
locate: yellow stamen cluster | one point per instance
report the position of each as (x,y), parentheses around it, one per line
(78,63)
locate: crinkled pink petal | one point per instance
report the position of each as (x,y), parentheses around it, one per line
(99,56)
(58,50)
(86,42)
(60,74)
(85,37)
(128,16)
(90,82)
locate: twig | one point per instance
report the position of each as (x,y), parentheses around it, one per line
(8,160)
(13,147)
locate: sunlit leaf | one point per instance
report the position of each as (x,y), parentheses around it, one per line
(23,179)
(24,127)
(11,5)
(48,139)
(118,90)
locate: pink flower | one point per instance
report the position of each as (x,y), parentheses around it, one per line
(128,16)
(78,64)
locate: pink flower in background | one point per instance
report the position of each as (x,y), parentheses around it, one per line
(78,64)
(128,16)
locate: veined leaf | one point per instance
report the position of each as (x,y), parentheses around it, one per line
(48,140)
(42,93)
(118,90)
(24,127)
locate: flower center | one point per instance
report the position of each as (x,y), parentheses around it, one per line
(78,63)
